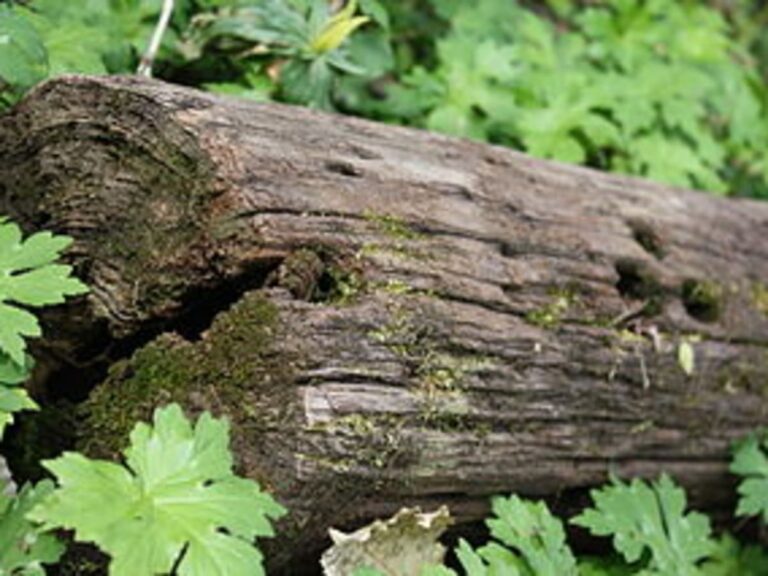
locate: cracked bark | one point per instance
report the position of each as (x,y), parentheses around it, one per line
(454,320)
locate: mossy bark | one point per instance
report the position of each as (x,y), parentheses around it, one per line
(388,317)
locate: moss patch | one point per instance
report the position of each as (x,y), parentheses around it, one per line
(322,274)
(230,372)
(392,226)
(550,315)
(439,375)
(400,235)
(760,297)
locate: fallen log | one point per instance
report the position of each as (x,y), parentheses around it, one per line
(388,317)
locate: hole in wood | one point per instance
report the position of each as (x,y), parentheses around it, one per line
(637,282)
(702,300)
(648,238)
(343,168)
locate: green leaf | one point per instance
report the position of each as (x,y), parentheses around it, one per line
(650,519)
(686,357)
(337,29)
(732,559)
(437,571)
(534,534)
(308,83)
(376,10)
(13,400)
(492,560)
(177,494)
(23,548)
(605,566)
(12,373)
(29,277)
(751,463)
(23,58)
(366,571)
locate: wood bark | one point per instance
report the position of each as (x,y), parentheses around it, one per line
(447,320)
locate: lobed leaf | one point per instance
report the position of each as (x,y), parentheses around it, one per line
(177,495)
(24,548)
(650,521)
(29,277)
(751,463)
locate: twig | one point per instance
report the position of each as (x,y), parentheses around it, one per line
(145,66)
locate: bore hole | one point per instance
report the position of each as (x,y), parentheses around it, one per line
(648,238)
(343,168)
(508,250)
(636,281)
(339,284)
(702,300)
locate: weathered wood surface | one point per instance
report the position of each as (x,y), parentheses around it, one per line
(427,320)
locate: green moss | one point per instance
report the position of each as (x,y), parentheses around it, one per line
(226,372)
(395,287)
(445,421)
(703,300)
(392,226)
(443,372)
(323,275)
(401,236)
(746,375)
(374,440)
(550,315)
(340,466)
(346,285)
(760,297)
(438,375)
(642,427)
(151,230)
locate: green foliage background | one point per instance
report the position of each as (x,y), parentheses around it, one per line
(674,91)
(670,90)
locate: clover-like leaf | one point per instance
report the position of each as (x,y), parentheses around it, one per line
(29,277)
(177,501)
(651,519)
(23,548)
(750,461)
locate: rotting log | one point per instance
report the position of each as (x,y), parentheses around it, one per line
(389,317)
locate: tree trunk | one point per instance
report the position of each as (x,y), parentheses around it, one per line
(389,317)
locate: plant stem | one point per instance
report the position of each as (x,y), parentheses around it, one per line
(145,66)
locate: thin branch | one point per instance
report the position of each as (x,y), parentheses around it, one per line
(145,66)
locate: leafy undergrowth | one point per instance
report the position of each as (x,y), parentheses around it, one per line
(29,278)
(673,91)
(651,532)
(176,507)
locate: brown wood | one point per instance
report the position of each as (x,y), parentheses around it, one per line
(417,319)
